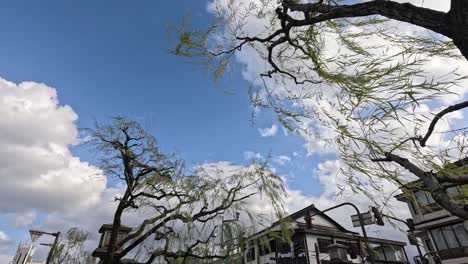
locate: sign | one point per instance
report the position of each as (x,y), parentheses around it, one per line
(367,219)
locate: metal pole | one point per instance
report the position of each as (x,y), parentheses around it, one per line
(49,257)
(361,223)
(409,227)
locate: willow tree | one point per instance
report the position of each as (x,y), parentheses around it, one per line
(70,249)
(179,216)
(353,77)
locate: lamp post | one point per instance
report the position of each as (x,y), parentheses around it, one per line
(35,234)
(361,223)
(222,231)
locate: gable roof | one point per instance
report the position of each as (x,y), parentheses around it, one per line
(313,210)
(302,213)
(339,231)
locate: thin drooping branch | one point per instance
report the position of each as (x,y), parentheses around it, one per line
(301,28)
(203,215)
(246,40)
(186,253)
(315,13)
(156,184)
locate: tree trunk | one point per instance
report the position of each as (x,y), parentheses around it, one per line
(458,17)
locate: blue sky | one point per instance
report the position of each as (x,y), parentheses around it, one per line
(108,58)
(111,58)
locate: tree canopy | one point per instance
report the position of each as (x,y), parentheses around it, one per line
(70,249)
(183,213)
(373,80)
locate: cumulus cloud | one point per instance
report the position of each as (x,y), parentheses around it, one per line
(268,131)
(319,138)
(38,171)
(41,175)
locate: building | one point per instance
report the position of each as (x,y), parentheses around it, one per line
(313,240)
(24,254)
(444,236)
(106,231)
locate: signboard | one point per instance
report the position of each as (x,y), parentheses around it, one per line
(373,216)
(367,219)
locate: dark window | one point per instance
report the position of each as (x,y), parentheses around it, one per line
(422,198)
(299,246)
(267,248)
(462,234)
(426,202)
(323,244)
(251,254)
(449,237)
(284,247)
(439,239)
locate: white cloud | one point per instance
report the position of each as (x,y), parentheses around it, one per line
(23,219)
(6,247)
(3,236)
(328,175)
(319,136)
(282,160)
(38,171)
(268,131)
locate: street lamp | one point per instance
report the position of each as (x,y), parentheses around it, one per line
(35,234)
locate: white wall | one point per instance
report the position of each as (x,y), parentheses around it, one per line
(312,240)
